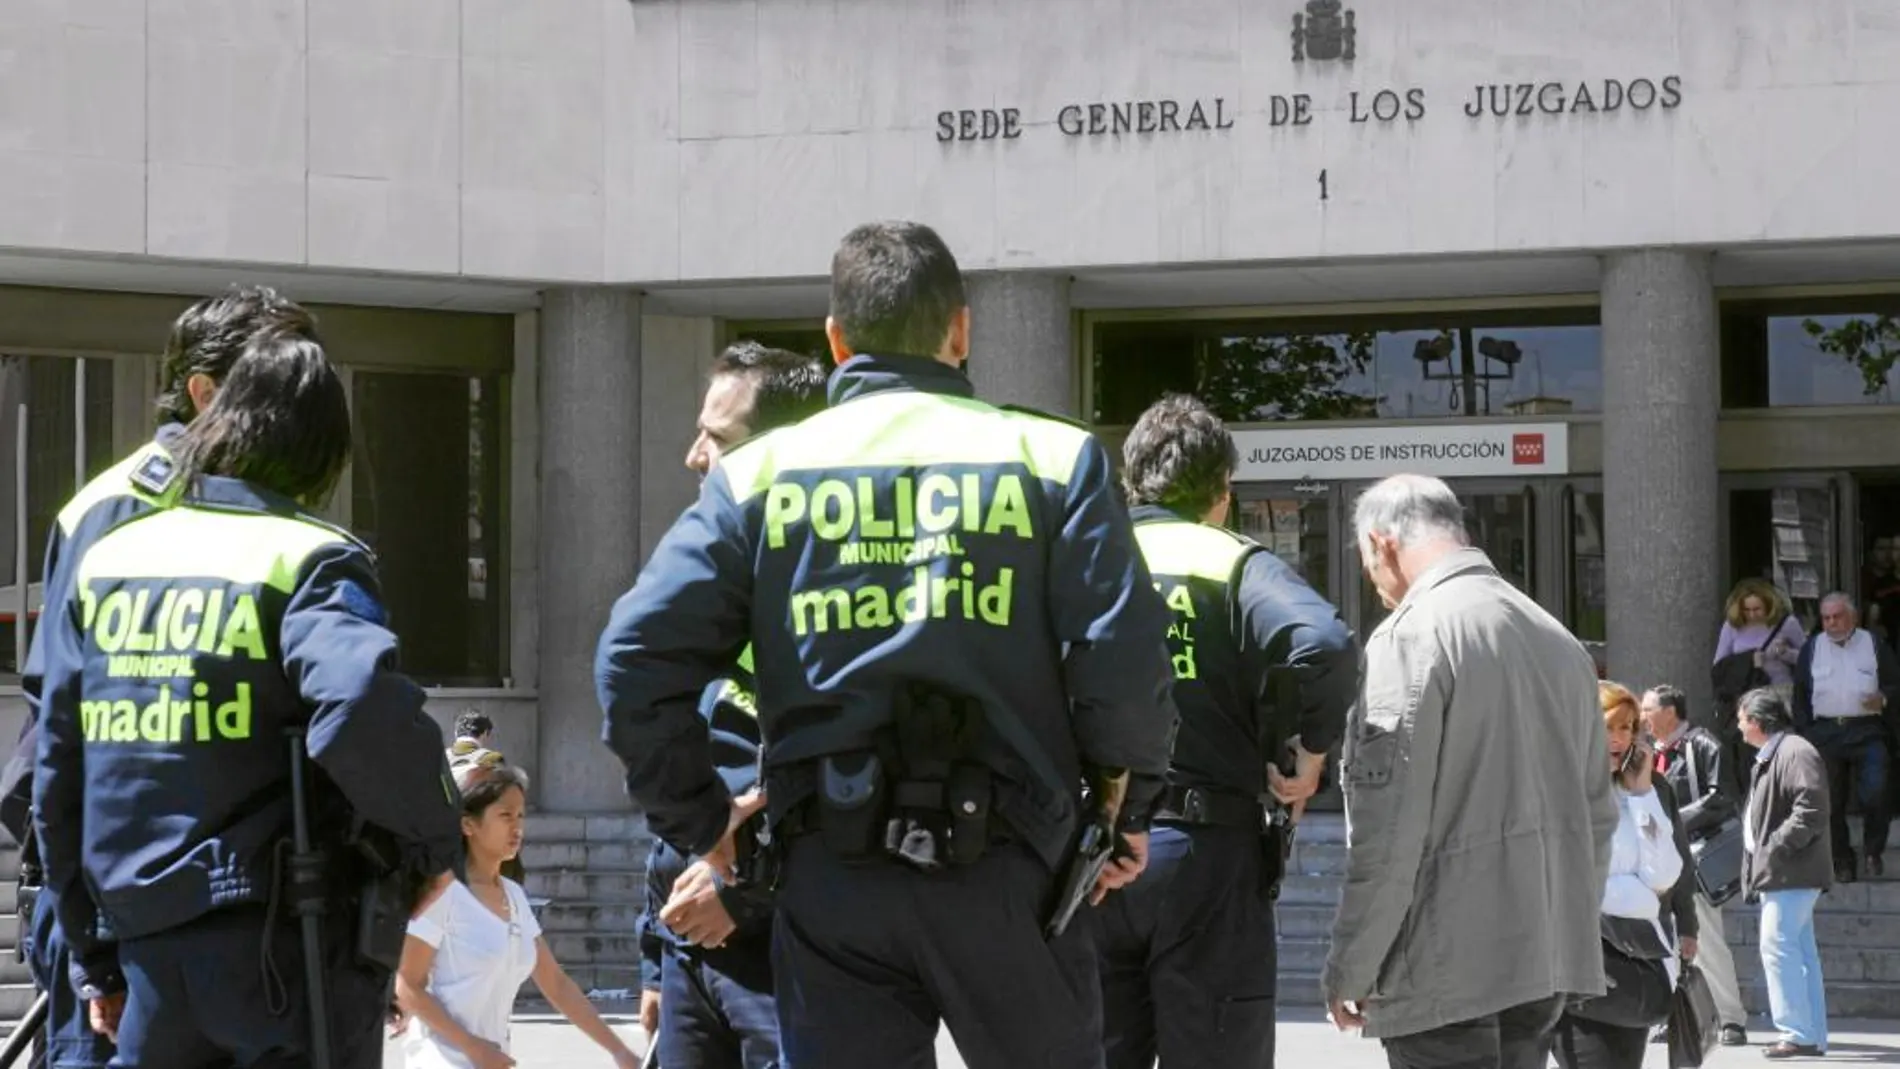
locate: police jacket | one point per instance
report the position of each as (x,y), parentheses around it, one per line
(908,533)
(1698,768)
(192,639)
(1258,655)
(732,722)
(102,503)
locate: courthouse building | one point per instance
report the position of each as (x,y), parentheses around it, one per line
(1621,270)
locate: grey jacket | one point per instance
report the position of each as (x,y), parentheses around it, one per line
(1788,819)
(1478,810)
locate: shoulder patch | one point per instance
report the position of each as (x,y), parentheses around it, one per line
(1025,410)
(359,603)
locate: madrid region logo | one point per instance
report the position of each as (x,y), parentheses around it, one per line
(1324,33)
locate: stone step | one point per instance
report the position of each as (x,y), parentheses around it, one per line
(1304,922)
(15,1000)
(1875,931)
(1302,956)
(1838,965)
(9,863)
(573,855)
(1303,890)
(590,917)
(588,888)
(1870,1000)
(587,828)
(595,948)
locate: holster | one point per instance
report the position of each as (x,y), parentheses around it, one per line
(27,896)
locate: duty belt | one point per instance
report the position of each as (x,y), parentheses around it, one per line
(1202,805)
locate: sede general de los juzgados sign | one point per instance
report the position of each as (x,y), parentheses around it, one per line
(1386,105)
(1325,32)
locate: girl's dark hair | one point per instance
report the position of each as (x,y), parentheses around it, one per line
(1766,708)
(281,420)
(483,785)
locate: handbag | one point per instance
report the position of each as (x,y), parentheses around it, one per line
(1639,994)
(1718,856)
(1694,1024)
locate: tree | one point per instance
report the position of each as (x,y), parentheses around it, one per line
(1871,344)
(1286,377)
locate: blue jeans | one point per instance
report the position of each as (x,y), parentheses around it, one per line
(1791,962)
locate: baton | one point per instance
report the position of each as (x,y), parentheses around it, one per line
(309,907)
(23,1033)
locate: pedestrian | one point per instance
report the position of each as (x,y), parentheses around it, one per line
(706,942)
(951,629)
(1696,765)
(1478,817)
(1263,667)
(466,956)
(1646,865)
(205,340)
(1789,864)
(163,794)
(1847,703)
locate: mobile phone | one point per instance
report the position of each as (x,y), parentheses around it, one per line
(1630,757)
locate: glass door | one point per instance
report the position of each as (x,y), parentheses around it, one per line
(1502,517)
(1785,528)
(1298,523)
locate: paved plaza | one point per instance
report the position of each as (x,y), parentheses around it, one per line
(1305,1040)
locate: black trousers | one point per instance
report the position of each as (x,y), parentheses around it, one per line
(1517,1038)
(1857,767)
(196,998)
(1580,1043)
(870,957)
(1188,955)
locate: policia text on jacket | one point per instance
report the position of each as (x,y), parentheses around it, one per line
(915,521)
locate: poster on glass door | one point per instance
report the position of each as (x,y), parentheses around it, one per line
(1447,450)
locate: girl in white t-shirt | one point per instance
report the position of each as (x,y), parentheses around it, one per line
(469,953)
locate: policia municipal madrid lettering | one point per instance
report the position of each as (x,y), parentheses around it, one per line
(1265,672)
(198,644)
(205,340)
(928,716)
(705,941)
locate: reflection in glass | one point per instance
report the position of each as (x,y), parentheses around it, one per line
(1832,351)
(1589,584)
(1264,370)
(1295,529)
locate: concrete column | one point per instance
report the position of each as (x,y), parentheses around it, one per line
(1660,400)
(589,528)
(1022,348)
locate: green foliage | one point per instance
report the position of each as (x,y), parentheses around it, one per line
(1871,344)
(1285,377)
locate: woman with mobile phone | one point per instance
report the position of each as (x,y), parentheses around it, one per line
(1640,945)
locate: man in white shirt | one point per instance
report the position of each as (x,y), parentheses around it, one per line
(1847,702)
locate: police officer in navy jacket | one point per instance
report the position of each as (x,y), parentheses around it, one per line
(705,942)
(951,627)
(192,639)
(1264,674)
(205,341)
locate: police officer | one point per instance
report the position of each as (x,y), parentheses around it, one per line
(706,972)
(951,628)
(1262,664)
(205,341)
(192,640)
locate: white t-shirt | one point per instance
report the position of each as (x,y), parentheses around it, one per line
(481,961)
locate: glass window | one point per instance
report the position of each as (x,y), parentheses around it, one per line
(1838,351)
(1589,584)
(1523,364)
(426,495)
(1295,529)
(47,392)
(1784,534)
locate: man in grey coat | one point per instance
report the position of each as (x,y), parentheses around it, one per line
(1478,815)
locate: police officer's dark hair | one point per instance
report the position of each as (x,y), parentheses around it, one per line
(281,420)
(895,289)
(483,787)
(472,726)
(208,338)
(1768,710)
(787,386)
(1671,697)
(1179,456)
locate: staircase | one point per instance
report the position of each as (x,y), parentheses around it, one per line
(16,983)
(591,870)
(1858,928)
(1857,925)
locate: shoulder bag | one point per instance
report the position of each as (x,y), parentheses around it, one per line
(1718,855)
